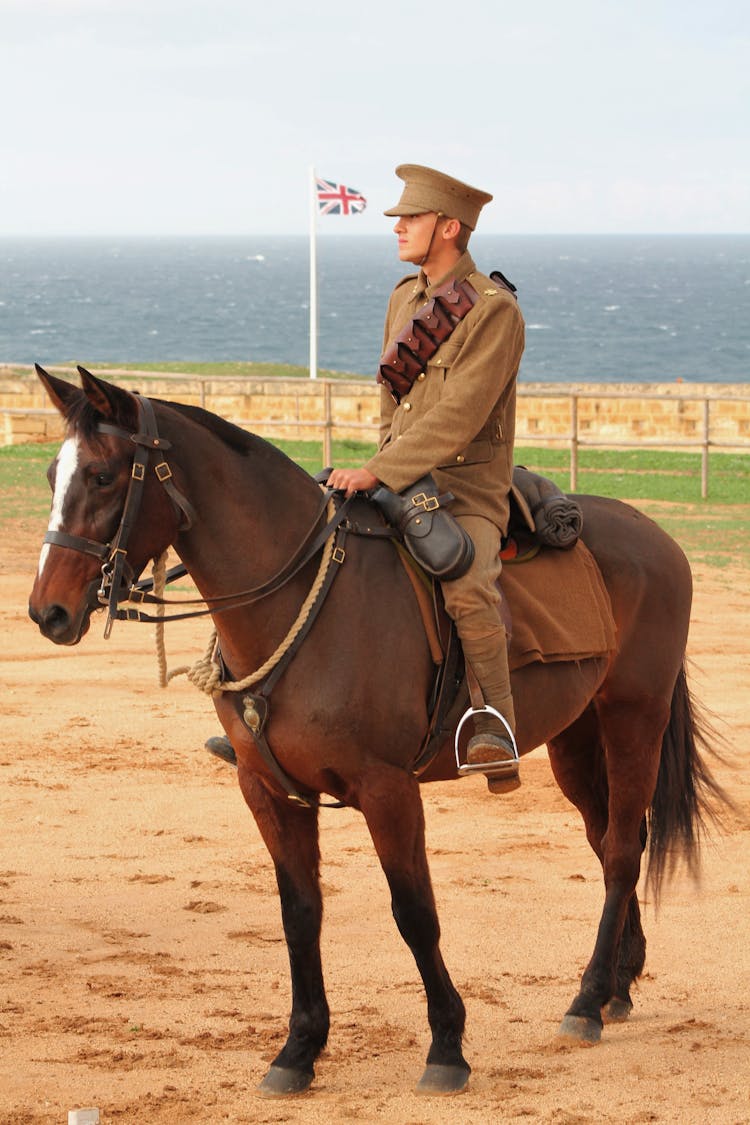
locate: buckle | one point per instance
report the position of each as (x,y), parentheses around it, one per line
(422,500)
(139,471)
(338,554)
(163,471)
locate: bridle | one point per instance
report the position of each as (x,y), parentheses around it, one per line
(116,583)
(117,573)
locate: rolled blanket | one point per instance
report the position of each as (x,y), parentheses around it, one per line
(557,518)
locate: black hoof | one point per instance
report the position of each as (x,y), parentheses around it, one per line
(617,1010)
(283,1082)
(581,1030)
(443,1079)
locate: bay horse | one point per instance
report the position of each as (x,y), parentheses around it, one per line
(351,708)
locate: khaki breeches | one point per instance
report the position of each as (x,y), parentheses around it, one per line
(473,600)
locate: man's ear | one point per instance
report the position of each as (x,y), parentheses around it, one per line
(451,229)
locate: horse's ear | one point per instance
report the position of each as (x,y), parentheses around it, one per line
(62,394)
(110,401)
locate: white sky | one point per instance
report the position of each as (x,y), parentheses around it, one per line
(204,116)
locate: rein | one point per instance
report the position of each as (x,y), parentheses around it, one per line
(307,549)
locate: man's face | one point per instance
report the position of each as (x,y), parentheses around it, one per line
(414,233)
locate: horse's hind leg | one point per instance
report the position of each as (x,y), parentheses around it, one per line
(578,763)
(631,736)
(291,836)
(392,806)
(630,961)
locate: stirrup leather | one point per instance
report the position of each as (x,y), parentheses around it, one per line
(492,769)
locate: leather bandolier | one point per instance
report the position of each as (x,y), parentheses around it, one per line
(407,356)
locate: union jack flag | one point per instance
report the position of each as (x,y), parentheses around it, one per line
(335,199)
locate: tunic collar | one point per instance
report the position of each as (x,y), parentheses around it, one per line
(463,267)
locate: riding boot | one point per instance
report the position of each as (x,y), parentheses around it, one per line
(493,742)
(222,748)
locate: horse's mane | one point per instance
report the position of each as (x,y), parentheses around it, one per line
(240,441)
(233,436)
(83,418)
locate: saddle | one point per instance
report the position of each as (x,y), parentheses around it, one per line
(542,518)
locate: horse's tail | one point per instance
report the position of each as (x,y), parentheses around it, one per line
(688,800)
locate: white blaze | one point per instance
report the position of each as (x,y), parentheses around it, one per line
(67,463)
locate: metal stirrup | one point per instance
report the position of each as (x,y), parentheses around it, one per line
(484,767)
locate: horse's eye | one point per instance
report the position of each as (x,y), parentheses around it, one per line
(104,479)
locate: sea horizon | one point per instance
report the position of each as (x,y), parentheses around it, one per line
(598,308)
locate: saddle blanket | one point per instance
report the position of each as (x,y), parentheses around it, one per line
(559,606)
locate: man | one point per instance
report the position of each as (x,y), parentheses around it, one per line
(457,422)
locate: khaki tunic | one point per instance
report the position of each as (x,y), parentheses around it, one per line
(458,420)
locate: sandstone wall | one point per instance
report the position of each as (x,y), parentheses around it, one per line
(627,413)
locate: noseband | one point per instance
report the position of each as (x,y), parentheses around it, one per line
(116,571)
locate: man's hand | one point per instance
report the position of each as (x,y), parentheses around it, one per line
(352,480)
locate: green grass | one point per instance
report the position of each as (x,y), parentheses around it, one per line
(231,369)
(647,474)
(24,492)
(665,485)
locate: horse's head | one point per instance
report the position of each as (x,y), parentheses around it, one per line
(109,514)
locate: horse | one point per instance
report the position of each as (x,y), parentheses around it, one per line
(627,743)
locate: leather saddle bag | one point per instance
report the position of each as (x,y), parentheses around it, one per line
(429,532)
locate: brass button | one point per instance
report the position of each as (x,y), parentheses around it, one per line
(421,376)
(407,406)
(460,458)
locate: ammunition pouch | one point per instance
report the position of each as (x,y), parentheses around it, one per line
(429,532)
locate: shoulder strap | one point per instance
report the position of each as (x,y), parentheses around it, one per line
(501,280)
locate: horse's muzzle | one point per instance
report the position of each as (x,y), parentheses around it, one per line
(58,624)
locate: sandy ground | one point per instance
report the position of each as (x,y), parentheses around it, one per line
(143,969)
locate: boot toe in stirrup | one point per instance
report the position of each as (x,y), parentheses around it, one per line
(221,747)
(496,757)
(492,750)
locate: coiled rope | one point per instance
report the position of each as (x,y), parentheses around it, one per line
(205,674)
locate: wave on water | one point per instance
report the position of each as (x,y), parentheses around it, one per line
(598,308)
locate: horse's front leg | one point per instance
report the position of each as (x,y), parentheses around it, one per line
(392,806)
(291,836)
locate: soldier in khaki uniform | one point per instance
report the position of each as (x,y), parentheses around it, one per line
(457,422)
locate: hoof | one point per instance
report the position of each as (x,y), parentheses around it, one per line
(283,1082)
(580,1029)
(617,1010)
(443,1079)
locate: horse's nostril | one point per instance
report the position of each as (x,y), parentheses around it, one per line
(54,620)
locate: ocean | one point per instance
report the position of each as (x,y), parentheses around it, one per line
(598,308)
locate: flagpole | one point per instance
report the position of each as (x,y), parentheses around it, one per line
(313,279)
